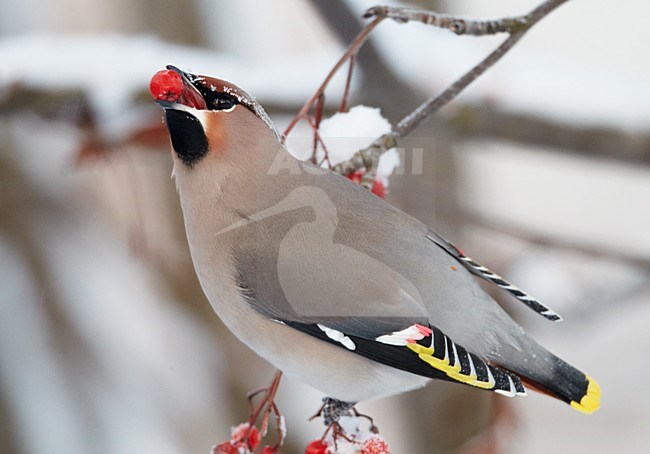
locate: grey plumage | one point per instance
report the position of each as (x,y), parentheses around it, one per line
(279,244)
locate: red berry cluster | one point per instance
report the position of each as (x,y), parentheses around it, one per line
(244,439)
(373,445)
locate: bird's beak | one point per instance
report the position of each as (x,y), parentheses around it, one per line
(191,96)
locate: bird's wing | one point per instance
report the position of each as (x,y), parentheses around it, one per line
(371,281)
(323,250)
(310,262)
(425,351)
(294,270)
(419,349)
(490,276)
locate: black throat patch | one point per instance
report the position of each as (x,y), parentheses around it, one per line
(188,138)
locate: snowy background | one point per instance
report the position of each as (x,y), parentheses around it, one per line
(540,170)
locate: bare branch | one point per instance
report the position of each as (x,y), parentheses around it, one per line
(464,25)
(456,24)
(596,142)
(481,120)
(434,103)
(369,157)
(640,262)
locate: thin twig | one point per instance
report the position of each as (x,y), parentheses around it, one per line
(318,140)
(348,82)
(351,51)
(433,104)
(318,116)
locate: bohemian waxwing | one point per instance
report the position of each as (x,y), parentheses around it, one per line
(331,284)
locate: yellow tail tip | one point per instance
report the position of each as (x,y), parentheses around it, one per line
(590,402)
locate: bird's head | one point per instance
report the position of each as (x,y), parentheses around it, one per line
(209,117)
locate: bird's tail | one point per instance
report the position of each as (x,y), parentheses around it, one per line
(568,384)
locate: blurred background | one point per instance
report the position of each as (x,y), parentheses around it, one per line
(540,170)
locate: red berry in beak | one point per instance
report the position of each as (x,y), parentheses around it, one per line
(166,85)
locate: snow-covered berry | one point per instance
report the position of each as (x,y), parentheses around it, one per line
(224,448)
(317,447)
(239,432)
(245,433)
(166,85)
(375,445)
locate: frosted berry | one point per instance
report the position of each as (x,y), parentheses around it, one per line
(378,189)
(267,450)
(244,432)
(254,438)
(166,85)
(375,445)
(224,448)
(238,433)
(317,447)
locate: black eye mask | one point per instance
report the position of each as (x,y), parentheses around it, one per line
(188,138)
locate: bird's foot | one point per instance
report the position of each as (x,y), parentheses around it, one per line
(344,426)
(332,410)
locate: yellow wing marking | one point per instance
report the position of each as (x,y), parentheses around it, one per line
(590,402)
(426,355)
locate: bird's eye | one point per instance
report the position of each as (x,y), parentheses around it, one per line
(224,102)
